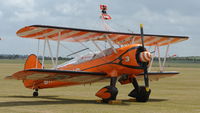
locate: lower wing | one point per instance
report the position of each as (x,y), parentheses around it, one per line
(125,79)
(58,75)
(157,75)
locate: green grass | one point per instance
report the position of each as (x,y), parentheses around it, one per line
(179,94)
(12,61)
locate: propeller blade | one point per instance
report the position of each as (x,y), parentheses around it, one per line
(146,78)
(142,34)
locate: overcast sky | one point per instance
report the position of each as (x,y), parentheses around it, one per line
(175,17)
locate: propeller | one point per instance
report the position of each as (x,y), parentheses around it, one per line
(146,77)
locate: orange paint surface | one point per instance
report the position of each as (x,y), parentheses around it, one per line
(103,94)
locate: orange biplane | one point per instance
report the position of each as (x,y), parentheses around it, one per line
(126,63)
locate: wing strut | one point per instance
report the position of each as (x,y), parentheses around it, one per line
(159,60)
(45,41)
(161,63)
(97,47)
(166,54)
(38,51)
(152,59)
(110,43)
(50,52)
(58,48)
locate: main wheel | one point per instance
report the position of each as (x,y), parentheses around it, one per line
(35,94)
(107,93)
(142,95)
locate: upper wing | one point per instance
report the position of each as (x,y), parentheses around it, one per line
(58,75)
(80,35)
(157,75)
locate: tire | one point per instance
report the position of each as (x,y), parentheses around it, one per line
(113,92)
(35,94)
(143,95)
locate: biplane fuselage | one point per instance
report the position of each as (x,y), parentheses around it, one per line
(124,61)
(115,64)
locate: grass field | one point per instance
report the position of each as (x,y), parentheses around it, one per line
(179,94)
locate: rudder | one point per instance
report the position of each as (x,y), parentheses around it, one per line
(32,62)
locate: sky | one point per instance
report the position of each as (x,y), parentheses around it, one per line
(167,17)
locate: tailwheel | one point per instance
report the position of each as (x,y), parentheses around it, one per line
(35,93)
(141,95)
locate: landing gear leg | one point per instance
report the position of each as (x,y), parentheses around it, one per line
(35,93)
(108,93)
(140,92)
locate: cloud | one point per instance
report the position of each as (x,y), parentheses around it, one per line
(68,8)
(28,15)
(1,13)
(22,4)
(158,17)
(176,17)
(19,10)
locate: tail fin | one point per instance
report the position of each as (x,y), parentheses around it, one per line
(32,62)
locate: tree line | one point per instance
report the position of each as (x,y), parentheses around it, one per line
(189,59)
(16,56)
